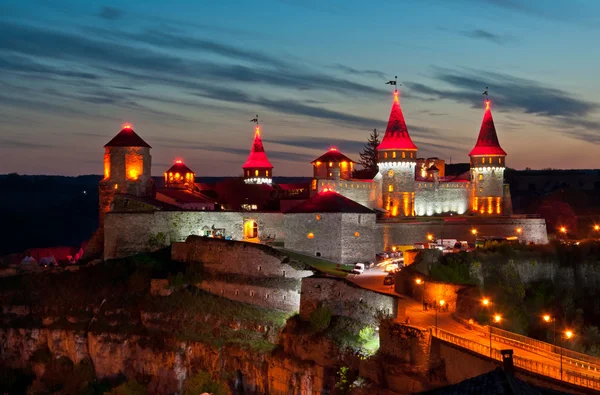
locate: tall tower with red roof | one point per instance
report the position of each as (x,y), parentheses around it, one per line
(258,169)
(487,169)
(397,158)
(127,164)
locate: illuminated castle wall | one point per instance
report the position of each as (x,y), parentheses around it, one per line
(407,186)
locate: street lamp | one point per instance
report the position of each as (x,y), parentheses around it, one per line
(421,282)
(596,227)
(485,302)
(429,237)
(568,335)
(442,303)
(563,230)
(474,233)
(496,318)
(548,318)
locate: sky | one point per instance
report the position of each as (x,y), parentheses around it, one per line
(190,75)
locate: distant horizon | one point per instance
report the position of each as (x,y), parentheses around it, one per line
(189,76)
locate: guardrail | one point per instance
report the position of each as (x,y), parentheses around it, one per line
(582,360)
(569,376)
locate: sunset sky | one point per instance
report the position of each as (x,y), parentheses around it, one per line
(189,75)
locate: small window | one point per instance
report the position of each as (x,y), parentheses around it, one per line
(283,297)
(317,254)
(256,173)
(480,189)
(116,186)
(339,294)
(490,160)
(499,161)
(222,292)
(480,177)
(412,154)
(391,173)
(251,293)
(390,188)
(266,296)
(356,234)
(283,273)
(267,173)
(403,155)
(318,217)
(330,174)
(259,268)
(330,164)
(385,155)
(311,235)
(394,154)
(237,292)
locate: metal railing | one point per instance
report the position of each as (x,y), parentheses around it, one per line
(581,360)
(569,376)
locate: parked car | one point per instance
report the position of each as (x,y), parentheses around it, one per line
(390,279)
(358,268)
(391,268)
(369,265)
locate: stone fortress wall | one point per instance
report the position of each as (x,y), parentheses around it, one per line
(409,232)
(436,198)
(364,192)
(245,272)
(344,299)
(130,233)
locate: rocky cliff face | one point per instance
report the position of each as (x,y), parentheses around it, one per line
(167,368)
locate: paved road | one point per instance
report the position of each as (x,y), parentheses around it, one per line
(373,279)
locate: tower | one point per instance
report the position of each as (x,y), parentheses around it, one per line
(258,169)
(487,169)
(397,158)
(127,164)
(180,176)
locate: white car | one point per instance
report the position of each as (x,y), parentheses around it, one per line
(358,268)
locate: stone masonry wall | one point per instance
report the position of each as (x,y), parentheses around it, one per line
(325,241)
(344,299)
(407,233)
(359,241)
(446,197)
(280,299)
(227,256)
(131,233)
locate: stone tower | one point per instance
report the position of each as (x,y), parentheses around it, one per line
(258,169)
(180,176)
(487,169)
(397,158)
(127,164)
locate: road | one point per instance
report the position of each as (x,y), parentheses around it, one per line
(373,279)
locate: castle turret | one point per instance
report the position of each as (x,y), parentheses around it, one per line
(487,169)
(396,157)
(180,176)
(127,164)
(331,163)
(258,169)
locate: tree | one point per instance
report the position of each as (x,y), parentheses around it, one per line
(368,156)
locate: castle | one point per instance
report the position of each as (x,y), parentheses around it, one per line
(335,216)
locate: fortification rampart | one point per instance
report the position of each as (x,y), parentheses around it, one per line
(130,233)
(414,231)
(344,299)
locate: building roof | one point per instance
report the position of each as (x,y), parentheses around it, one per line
(433,168)
(333,155)
(179,167)
(487,142)
(330,202)
(396,134)
(257,158)
(496,382)
(184,196)
(127,138)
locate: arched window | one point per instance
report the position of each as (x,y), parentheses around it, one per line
(267,173)
(385,155)
(403,155)
(394,155)
(255,173)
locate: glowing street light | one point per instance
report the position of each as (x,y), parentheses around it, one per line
(568,335)
(597,227)
(474,231)
(419,281)
(437,308)
(429,237)
(519,230)
(548,318)
(496,318)
(485,302)
(563,230)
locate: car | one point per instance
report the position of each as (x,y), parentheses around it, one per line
(391,268)
(390,279)
(358,268)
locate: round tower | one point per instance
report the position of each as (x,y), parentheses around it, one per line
(487,169)
(397,158)
(258,169)
(127,164)
(180,176)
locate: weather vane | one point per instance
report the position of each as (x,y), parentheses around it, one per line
(255,120)
(485,92)
(393,82)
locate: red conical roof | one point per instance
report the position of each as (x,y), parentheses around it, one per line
(257,158)
(179,167)
(396,134)
(127,138)
(487,142)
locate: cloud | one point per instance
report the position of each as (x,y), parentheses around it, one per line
(511,93)
(110,13)
(7,143)
(320,143)
(21,64)
(486,35)
(353,71)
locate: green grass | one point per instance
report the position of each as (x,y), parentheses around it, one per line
(319,264)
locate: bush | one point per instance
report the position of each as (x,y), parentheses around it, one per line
(320,318)
(201,383)
(131,387)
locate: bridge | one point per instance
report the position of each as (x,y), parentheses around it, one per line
(529,354)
